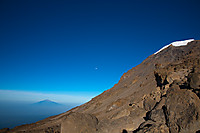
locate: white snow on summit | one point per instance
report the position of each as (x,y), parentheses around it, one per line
(176,44)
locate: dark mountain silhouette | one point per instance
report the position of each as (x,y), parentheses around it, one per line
(161,95)
(12,115)
(46,102)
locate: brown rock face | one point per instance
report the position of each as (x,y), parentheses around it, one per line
(182,111)
(149,103)
(161,95)
(79,123)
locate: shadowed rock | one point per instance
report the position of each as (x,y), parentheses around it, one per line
(183,109)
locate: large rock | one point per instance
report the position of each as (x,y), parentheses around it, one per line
(182,111)
(149,103)
(157,115)
(79,123)
(152,127)
(194,80)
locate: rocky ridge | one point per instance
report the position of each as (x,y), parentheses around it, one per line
(159,95)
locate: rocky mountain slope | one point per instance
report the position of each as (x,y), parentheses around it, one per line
(159,95)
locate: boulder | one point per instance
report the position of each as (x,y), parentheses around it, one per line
(157,115)
(194,80)
(149,103)
(152,127)
(182,111)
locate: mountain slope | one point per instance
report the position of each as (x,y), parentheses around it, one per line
(159,95)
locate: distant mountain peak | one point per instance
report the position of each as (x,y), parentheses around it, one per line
(46,102)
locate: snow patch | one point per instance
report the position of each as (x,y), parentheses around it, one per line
(176,44)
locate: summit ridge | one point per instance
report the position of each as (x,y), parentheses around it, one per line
(176,44)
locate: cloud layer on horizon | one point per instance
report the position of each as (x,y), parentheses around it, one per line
(29,96)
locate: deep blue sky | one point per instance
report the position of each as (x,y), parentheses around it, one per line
(82,47)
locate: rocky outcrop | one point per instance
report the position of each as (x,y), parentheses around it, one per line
(177,112)
(179,107)
(161,95)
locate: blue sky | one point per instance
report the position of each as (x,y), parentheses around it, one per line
(81,48)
